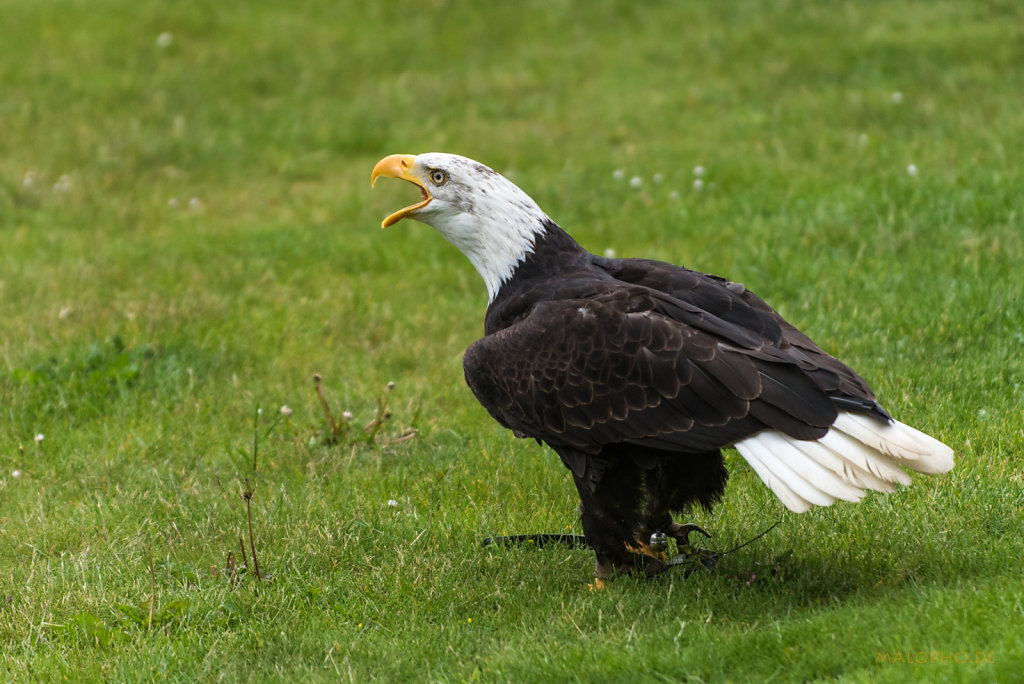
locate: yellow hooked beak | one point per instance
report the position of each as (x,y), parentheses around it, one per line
(398,166)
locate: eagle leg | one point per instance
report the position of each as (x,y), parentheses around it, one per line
(678,482)
(618,549)
(613,523)
(626,494)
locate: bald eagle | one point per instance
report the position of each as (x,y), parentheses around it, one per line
(637,373)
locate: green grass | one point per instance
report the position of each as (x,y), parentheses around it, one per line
(139,332)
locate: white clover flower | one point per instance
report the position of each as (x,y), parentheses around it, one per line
(391,385)
(347,415)
(618,174)
(698,171)
(40,437)
(636,182)
(674,196)
(657,178)
(896,97)
(911,170)
(609,253)
(173,203)
(392,503)
(863,139)
(164,40)
(29,180)
(63,184)
(698,185)
(16,473)
(194,204)
(286,411)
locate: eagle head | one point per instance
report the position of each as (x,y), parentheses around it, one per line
(485,215)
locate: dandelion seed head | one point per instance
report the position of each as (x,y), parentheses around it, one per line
(657,178)
(911,170)
(16,473)
(674,196)
(609,253)
(698,171)
(194,203)
(618,174)
(164,40)
(636,182)
(63,184)
(698,185)
(392,503)
(29,180)
(896,97)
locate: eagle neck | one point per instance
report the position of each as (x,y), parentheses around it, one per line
(554,253)
(554,258)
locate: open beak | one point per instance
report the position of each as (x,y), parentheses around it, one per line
(398,166)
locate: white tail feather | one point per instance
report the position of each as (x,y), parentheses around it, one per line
(809,469)
(752,450)
(864,457)
(904,444)
(858,453)
(844,469)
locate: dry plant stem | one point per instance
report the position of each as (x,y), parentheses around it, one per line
(255,438)
(153,591)
(252,542)
(318,379)
(375,425)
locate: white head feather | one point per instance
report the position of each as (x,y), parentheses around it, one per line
(481,212)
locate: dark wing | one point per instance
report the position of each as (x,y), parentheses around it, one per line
(734,303)
(640,367)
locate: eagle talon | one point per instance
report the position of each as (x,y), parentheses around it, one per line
(681,533)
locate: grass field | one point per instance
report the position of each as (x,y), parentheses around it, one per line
(187,235)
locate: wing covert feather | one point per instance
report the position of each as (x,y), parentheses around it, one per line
(623,367)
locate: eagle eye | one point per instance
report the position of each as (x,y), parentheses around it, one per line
(438,177)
